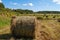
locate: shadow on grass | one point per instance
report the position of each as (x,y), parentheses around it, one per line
(10,37)
(5,36)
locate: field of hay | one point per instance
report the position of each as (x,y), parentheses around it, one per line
(50,25)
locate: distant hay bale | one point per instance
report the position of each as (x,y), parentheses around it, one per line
(23,26)
(40,18)
(58,20)
(54,16)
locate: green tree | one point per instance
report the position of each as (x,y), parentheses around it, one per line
(23,11)
(28,11)
(2,5)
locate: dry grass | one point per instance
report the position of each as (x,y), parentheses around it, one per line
(5,30)
(50,30)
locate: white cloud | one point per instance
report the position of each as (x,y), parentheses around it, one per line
(0,1)
(56,1)
(14,3)
(28,4)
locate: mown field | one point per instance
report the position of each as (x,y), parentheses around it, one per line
(5,19)
(49,23)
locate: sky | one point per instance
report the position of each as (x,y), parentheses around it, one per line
(35,5)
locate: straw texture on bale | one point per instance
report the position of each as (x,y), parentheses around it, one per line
(23,26)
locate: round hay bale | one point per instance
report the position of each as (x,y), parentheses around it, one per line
(58,19)
(23,26)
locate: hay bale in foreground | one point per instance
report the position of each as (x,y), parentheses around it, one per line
(23,26)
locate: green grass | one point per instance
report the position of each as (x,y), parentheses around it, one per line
(4,21)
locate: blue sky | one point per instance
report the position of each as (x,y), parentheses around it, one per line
(35,5)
